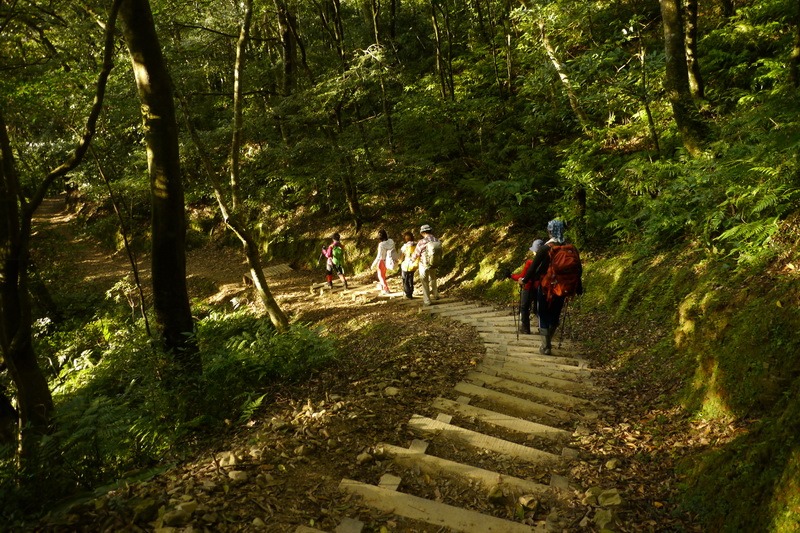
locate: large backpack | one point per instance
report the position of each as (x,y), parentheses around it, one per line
(391,258)
(563,275)
(337,256)
(433,253)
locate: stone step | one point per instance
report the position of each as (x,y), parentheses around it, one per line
(473,439)
(516,387)
(431,512)
(502,420)
(436,466)
(528,374)
(517,405)
(442,306)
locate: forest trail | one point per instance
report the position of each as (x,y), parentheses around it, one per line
(479,433)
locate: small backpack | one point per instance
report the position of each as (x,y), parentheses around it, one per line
(563,275)
(433,253)
(337,256)
(391,258)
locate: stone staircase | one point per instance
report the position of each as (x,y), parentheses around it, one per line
(542,400)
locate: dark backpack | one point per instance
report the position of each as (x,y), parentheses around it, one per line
(563,274)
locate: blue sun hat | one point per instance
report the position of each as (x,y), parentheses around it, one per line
(556,229)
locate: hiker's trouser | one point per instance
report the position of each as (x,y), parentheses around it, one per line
(549,312)
(427,277)
(525,303)
(408,282)
(382,276)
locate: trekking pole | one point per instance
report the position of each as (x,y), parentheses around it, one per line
(517,310)
(566,319)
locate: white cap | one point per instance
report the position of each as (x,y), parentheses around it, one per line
(536,245)
(425,229)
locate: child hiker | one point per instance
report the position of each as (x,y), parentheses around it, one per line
(334,254)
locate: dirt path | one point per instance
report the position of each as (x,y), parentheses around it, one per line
(431,421)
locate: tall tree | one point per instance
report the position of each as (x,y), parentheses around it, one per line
(561,69)
(170,295)
(232,219)
(692,62)
(34,401)
(676,79)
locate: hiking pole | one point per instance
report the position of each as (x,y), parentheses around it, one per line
(566,319)
(514,313)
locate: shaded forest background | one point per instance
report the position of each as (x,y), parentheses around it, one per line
(665,133)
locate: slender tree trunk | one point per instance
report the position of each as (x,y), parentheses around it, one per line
(728,8)
(387,109)
(170,295)
(393,5)
(645,96)
(34,401)
(236,139)
(677,78)
(288,47)
(449,33)
(565,81)
(439,60)
(794,59)
(692,63)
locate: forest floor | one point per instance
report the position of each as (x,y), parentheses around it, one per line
(282,468)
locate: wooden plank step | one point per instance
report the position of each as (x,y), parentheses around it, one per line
(428,511)
(475,316)
(436,466)
(516,387)
(542,368)
(442,306)
(537,358)
(568,373)
(518,405)
(502,420)
(431,427)
(527,374)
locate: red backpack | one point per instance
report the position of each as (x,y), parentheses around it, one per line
(564,272)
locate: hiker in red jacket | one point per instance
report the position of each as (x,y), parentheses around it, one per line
(527,292)
(557,267)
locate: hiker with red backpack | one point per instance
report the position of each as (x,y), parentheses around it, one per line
(558,268)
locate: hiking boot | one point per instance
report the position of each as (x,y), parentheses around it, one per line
(525,330)
(544,349)
(330,284)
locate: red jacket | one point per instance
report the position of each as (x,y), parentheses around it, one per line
(532,283)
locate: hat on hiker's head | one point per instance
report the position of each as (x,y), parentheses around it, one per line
(425,229)
(536,245)
(556,229)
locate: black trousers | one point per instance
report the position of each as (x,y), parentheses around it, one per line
(408,282)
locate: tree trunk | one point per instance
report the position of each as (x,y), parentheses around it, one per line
(236,139)
(170,296)
(239,228)
(794,59)
(692,63)
(728,8)
(34,401)
(565,81)
(645,96)
(288,47)
(676,79)
(439,60)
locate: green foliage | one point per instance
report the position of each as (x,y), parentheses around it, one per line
(243,355)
